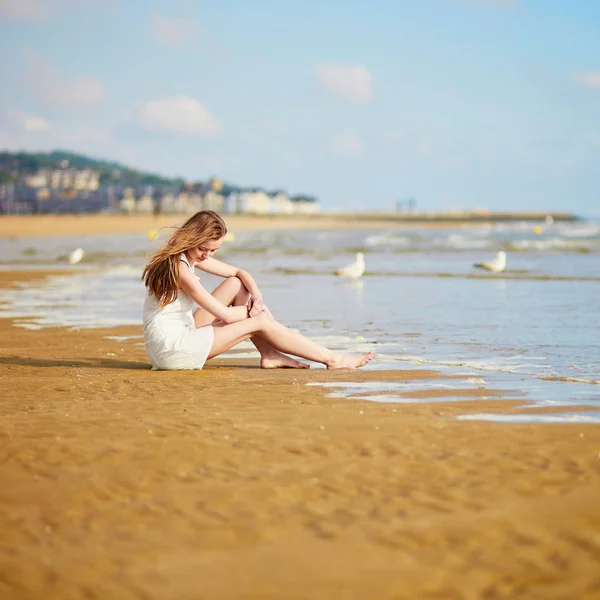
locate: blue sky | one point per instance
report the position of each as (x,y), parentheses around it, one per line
(456,103)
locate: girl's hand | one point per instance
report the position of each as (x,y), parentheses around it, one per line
(249,306)
(253,307)
(257,307)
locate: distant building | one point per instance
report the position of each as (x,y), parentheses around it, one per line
(66,179)
(216,184)
(167,203)
(281,204)
(258,202)
(145,205)
(127,203)
(64,189)
(212,200)
(305,205)
(241,203)
(230,204)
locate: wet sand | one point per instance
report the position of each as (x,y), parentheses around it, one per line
(88,224)
(233,482)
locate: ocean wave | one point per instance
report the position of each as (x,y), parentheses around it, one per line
(570,379)
(523,366)
(509,274)
(579,230)
(554,243)
(570,417)
(465,242)
(386,240)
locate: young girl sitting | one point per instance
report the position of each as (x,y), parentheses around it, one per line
(184,325)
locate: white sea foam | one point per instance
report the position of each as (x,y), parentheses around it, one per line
(371,386)
(571,379)
(335,341)
(389,399)
(516,365)
(583,229)
(78,301)
(571,402)
(467,242)
(506,367)
(351,390)
(386,240)
(555,243)
(578,418)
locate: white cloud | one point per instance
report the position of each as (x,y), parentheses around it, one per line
(29,122)
(54,90)
(173,31)
(352,83)
(180,114)
(347,144)
(29,10)
(589,80)
(76,137)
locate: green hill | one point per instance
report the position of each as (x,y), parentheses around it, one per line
(15,164)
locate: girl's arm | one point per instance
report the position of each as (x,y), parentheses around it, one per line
(221,269)
(191,286)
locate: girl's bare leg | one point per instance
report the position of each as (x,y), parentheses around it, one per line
(285,340)
(233,292)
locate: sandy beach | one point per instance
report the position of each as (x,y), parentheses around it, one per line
(58,225)
(234,482)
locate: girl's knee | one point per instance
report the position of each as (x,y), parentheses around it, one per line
(268,324)
(235,282)
(262,321)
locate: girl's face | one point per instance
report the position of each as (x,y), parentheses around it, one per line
(206,250)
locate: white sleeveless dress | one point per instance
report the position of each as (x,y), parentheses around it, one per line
(170,334)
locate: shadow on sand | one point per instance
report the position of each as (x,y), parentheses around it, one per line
(89,363)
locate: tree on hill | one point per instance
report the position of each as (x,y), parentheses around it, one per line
(15,164)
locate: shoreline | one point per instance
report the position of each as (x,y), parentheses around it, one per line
(233,481)
(60,225)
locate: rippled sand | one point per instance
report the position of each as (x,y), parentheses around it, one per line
(232,482)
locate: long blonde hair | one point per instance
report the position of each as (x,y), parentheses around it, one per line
(161,274)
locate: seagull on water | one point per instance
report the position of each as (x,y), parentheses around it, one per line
(74,257)
(353,270)
(497,265)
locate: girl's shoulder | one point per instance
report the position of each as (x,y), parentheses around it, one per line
(184,258)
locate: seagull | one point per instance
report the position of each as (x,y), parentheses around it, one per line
(497,265)
(74,257)
(355,269)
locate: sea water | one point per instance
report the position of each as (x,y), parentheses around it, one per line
(532,331)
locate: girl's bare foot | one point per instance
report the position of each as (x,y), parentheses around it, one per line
(349,361)
(277,360)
